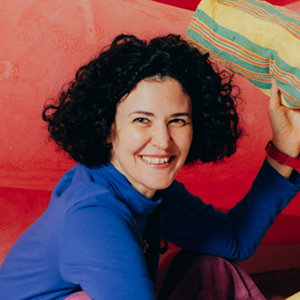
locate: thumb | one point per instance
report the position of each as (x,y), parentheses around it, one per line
(275,98)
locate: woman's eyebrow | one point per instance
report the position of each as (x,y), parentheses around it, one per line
(147,113)
(181,115)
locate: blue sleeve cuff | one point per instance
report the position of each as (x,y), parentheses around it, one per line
(294,179)
(274,187)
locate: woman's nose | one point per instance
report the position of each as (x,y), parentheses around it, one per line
(161,137)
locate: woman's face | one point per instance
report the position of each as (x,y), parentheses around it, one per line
(152,134)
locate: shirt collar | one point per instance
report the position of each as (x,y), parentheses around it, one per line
(118,184)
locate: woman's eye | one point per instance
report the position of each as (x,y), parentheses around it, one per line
(141,121)
(178,122)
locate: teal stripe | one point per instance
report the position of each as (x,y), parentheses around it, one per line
(234,38)
(273,13)
(227,58)
(217,41)
(257,83)
(282,65)
(288,99)
(231,36)
(230,58)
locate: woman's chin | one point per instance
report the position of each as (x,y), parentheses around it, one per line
(161,185)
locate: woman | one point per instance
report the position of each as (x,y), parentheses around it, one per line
(132,118)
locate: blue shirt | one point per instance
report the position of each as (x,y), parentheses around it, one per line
(87,238)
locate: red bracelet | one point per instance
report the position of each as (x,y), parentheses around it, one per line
(282,158)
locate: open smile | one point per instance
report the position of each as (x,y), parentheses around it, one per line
(156,160)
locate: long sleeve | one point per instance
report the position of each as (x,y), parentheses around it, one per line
(86,239)
(190,223)
(99,252)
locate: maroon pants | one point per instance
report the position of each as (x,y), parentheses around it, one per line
(190,276)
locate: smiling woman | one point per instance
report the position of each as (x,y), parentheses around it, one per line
(81,120)
(131,118)
(157,116)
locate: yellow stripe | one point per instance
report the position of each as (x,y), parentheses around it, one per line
(230,18)
(235,67)
(284,76)
(248,54)
(264,14)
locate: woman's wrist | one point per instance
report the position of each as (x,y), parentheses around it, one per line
(283,147)
(283,170)
(283,161)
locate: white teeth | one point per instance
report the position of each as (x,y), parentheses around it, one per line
(155,160)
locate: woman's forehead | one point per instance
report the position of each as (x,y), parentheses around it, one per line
(155,95)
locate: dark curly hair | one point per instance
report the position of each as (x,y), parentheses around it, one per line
(80,121)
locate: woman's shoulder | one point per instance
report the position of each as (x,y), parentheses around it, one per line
(83,187)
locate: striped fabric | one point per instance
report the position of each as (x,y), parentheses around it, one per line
(254,39)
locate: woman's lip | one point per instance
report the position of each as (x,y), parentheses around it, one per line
(156,155)
(155,160)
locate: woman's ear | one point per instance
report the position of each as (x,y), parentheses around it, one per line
(109,138)
(111,135)
(108,142)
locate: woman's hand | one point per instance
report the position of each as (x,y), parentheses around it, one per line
(285,124)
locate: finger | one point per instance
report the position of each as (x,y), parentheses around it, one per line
(275,96)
